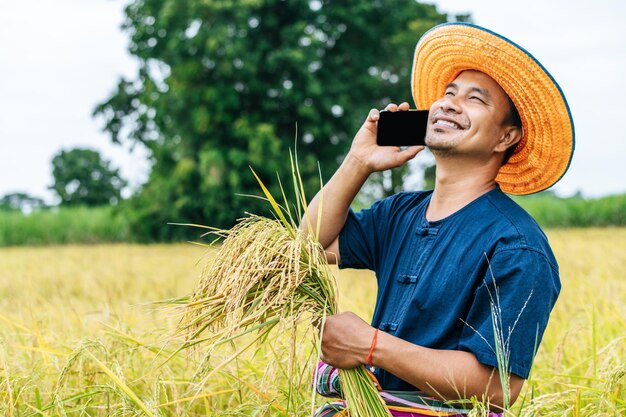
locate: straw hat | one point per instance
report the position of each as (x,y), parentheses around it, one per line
(545,151)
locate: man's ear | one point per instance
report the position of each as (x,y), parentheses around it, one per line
(510,136)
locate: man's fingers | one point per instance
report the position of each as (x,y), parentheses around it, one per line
(373,115)
(409,153)
(391,107)
(394,107)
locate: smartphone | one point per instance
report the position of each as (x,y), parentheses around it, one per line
(402,128)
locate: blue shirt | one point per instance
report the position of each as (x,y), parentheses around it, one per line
(438,280)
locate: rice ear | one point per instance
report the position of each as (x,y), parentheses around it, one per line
(269,273)
(272,201)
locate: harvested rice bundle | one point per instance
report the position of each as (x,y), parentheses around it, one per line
(261,274)
(266,272)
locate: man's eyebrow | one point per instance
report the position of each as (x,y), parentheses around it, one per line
(478,90)
(481,91)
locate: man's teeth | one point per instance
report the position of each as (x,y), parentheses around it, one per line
(446,123)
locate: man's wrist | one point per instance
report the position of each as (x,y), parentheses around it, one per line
(356,167)
(370,353)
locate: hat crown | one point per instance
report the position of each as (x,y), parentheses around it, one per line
(545,152)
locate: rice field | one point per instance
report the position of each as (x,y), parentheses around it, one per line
(80,335)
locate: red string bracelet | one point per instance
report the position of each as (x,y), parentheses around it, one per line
(368,359)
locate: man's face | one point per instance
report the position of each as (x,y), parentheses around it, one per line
(469,118)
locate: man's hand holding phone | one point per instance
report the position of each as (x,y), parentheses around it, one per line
(379,158)
(402,128)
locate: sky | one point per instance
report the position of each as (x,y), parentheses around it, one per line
(59,59)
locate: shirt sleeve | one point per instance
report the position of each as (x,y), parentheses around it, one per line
(359,240)
(512,304)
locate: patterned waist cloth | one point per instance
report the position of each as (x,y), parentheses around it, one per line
(400,403)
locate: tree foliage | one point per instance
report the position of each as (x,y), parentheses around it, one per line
(222,86)
(21,202)
(82,177)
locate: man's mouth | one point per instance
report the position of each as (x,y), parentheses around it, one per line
(446,122)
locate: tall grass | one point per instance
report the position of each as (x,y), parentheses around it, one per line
(551,211)
(63,225)
(67,225)
(61,305)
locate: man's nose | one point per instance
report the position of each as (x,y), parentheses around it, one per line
(450,103)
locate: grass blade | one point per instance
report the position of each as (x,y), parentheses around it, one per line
(125,388)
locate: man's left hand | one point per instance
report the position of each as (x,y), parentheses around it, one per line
(346,340)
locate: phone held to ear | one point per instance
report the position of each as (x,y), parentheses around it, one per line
(402,128)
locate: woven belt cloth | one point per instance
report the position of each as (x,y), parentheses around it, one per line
(400,403)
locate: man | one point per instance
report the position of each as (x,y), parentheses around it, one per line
(448,261)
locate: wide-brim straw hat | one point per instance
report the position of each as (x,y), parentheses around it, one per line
(546,148)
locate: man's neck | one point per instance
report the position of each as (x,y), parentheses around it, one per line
(455,188)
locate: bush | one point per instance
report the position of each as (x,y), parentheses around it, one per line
(552,211)
(63,225)
(82,225)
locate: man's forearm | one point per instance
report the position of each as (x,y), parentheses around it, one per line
(365,157)
(334,200)
(449,374)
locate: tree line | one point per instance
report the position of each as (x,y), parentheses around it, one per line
(81,177)
(225,86)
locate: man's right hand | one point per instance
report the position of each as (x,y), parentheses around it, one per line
(364,157)
(379,158)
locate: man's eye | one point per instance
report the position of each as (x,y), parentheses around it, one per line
(448,93)
(477,99)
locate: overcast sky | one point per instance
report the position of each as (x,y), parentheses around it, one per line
(59,58)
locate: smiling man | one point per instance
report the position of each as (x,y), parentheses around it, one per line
(449,259)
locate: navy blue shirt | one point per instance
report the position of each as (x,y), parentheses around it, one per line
(438,280)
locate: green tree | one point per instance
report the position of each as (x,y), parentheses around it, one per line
(21,202)
(82,177)
(429,177)
(223,84)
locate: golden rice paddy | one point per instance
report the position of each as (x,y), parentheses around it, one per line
(80,335)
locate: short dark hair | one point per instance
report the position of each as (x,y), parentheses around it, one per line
(513,119)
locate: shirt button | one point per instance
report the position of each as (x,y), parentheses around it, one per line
(408,279)
(388,327)
(421,231)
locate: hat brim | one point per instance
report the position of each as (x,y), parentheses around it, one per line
(545,152)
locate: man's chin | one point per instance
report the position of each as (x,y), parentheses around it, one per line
(436,145)
(439,142)
(440,149)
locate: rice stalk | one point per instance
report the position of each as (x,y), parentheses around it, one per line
(43,408)
(259,274)
(197,397)
(7,380)
(501,347)
(121,385)
(269,273)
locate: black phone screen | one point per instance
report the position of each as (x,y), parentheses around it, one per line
(402,128)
